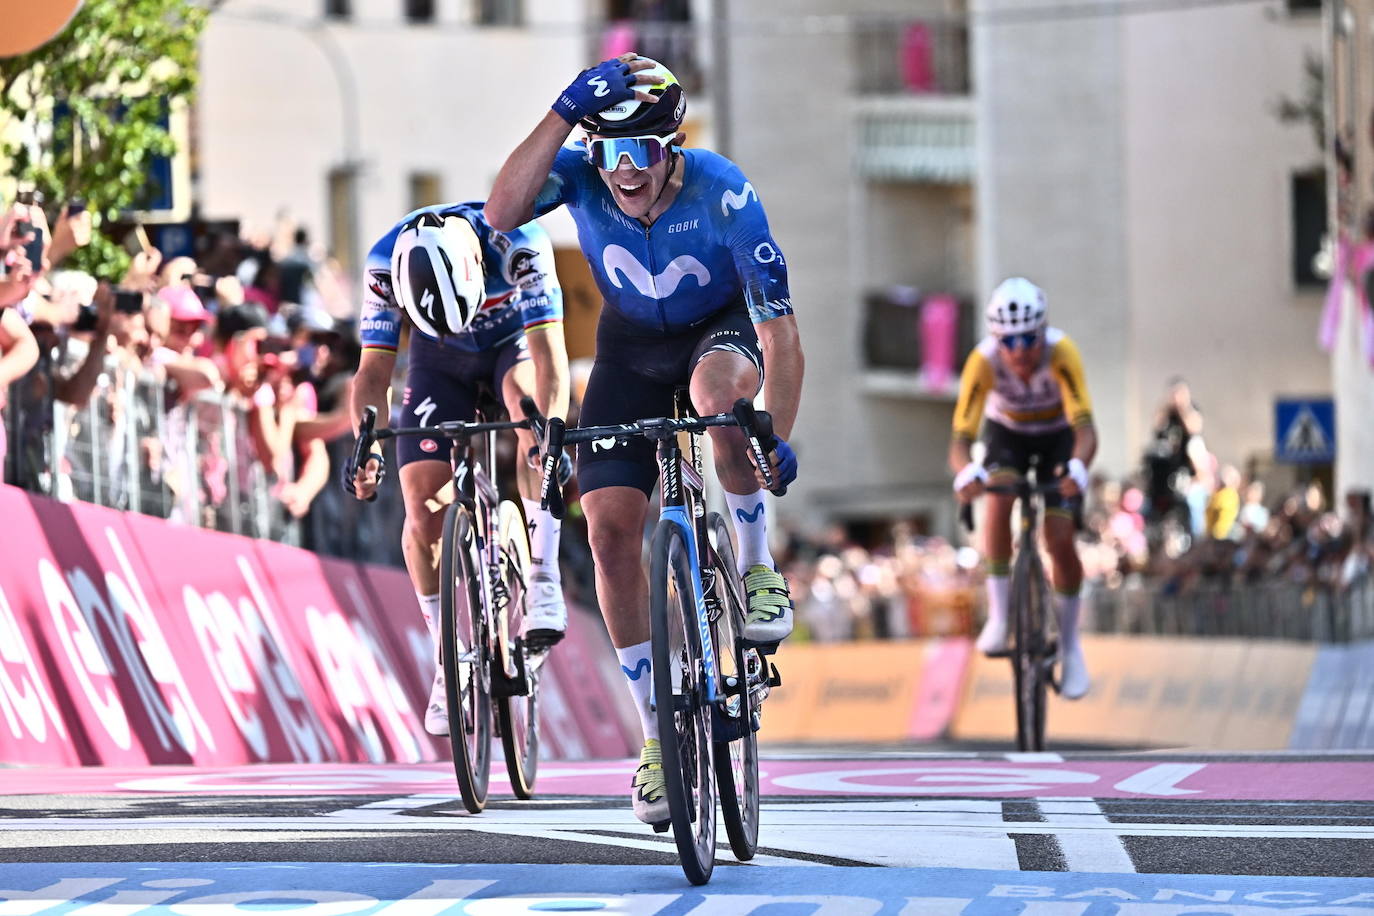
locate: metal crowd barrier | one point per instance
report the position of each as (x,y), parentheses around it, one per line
(131,447)
(1271,610)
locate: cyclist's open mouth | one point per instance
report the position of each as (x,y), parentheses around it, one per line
(632,191)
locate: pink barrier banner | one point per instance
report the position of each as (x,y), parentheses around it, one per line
(941,685)
(127,641)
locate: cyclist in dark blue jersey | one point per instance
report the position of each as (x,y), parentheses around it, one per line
(485,310)
(695,292)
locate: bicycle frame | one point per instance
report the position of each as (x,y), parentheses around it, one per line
(681,488)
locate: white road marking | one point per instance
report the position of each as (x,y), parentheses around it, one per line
(1034,757)
(1161,779)
(1086,852)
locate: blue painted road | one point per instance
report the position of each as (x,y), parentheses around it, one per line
(334,889)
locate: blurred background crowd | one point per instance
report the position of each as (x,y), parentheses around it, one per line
(211,388)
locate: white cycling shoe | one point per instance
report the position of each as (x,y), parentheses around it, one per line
(994,637)
(1073,675)
(546,615)
(436,714)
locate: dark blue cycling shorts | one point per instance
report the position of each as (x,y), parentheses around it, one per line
(634,377)
(1009,454)
(442,384)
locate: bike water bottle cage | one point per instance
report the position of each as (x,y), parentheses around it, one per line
(606,152)
(1023,341)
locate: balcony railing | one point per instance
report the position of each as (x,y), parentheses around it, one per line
(916,344)
(912,57)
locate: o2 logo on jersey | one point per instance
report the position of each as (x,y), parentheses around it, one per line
(520,267)
(379,284)
(618,262)
(765,253)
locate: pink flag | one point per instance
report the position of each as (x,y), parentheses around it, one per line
(1331,311)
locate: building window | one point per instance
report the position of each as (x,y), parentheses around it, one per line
(342,203)
(499,12)
(338,9)
(419,10)
(425,190)
(1308,194)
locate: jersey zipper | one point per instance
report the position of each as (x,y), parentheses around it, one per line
(653,279)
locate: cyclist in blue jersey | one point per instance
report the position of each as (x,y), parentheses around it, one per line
(695,293)
(485,309)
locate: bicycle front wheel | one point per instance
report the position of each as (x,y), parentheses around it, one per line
(684,715)
(1032,658)
(518,711)
(741,672)
(464,648)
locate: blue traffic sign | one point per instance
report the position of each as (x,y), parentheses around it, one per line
(1305,430)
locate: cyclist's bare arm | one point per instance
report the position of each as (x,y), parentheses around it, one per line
(371,388)
(550,357)
(511,201)
(784,364)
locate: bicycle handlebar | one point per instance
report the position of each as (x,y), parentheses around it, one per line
(553,434)
(1023,489)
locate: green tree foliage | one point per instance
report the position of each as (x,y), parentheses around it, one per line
(82,115)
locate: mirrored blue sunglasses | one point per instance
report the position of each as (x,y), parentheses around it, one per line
(606,152)
(1023,341)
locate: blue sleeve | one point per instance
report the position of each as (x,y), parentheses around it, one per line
(379,324)
(566,182)
(758,260)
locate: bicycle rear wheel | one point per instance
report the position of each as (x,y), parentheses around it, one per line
(518,712)
(464,647)
(684,716)
(737,746)
(1030,660)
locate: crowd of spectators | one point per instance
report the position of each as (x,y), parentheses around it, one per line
(164,357)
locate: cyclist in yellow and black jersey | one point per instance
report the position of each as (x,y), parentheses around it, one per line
(1026,380)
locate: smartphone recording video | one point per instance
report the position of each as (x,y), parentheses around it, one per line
(128,301)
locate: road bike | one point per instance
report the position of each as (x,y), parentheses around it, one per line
(483,564)
(1034,651)
(708,681)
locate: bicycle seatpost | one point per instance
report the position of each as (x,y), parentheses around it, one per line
(758,430)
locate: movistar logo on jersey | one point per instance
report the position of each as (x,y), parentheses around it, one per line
(733,201)
(618,262)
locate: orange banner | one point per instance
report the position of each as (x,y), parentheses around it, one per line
(1157,692)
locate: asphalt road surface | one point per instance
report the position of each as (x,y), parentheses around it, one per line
(864,831)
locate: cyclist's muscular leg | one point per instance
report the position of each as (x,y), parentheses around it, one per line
(720,378)
(545,612)
(997,552)
(421,482)
(1067,571)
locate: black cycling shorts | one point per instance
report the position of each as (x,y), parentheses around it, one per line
(634,377)
(442,384)
(1010,452)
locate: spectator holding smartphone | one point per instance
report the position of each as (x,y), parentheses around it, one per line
(17,271)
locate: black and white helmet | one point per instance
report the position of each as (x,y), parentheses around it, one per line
(1017,306)
(436,273)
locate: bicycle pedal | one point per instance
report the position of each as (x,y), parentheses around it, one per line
(774,678)
(661,826)
(542,640)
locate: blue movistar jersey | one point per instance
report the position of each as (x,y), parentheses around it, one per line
(522,288)
(709,250)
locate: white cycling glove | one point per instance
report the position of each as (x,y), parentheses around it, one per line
(968,474)
(1078,473)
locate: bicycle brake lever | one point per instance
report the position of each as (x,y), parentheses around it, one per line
(758,431)
(550,493)
(363,448)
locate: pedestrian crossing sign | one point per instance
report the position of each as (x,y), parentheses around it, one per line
(1305,430)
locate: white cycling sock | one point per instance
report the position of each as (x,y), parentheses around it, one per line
(636,662)
(544,532)
(1068,620)
(750,518)
(429,609)
(998,589)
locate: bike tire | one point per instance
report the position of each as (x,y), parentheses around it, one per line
(737,758)
(684,716)
(1029,656)
(467,677)
(518,712)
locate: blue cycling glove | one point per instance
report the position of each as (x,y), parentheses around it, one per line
(596,88)
(787,464)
